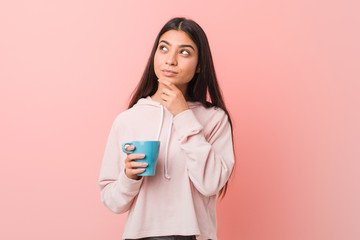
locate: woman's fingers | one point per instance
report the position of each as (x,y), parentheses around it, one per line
(134,156)
(135,172)
(165,97)
(168,92)
(168,84)
(132,167)
(131,163)
(129,147)
(169,95)
(134,164)
(170,88)
(172,98)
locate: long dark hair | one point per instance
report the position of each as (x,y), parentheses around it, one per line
(202,86)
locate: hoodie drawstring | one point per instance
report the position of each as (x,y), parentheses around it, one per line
(161,123)
(167,176)
(167,148)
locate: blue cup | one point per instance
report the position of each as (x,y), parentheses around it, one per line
(151,151)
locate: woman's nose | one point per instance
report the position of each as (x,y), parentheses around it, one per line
(171,59)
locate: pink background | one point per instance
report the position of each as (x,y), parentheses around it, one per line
(289,71)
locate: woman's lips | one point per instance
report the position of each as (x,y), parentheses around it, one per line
(169,73)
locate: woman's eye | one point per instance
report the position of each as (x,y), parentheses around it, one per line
(185,52)
(163,48)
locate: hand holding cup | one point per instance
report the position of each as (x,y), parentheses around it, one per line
(133,168)
(141,158)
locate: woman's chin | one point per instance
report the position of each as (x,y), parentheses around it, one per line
(170,79)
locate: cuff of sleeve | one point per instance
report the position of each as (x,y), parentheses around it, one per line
(129,185)
(186,124)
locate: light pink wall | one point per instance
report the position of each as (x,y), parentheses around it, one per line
(290,75)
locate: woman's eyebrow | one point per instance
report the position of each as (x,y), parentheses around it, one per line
(182,45)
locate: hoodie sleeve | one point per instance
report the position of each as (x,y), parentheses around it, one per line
(211,161)
(117,190)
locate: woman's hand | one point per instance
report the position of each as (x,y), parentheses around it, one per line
(131,167)
(172,98)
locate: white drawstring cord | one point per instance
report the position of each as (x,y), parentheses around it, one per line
(166,151)
(161,122)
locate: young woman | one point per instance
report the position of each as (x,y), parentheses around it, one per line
(196,152)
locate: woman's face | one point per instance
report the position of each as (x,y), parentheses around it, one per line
(176,58)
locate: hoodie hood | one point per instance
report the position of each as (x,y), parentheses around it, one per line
(150,102)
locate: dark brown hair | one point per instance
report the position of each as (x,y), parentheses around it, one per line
(202,86)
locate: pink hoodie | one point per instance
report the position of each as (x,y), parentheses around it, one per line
(195,161)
